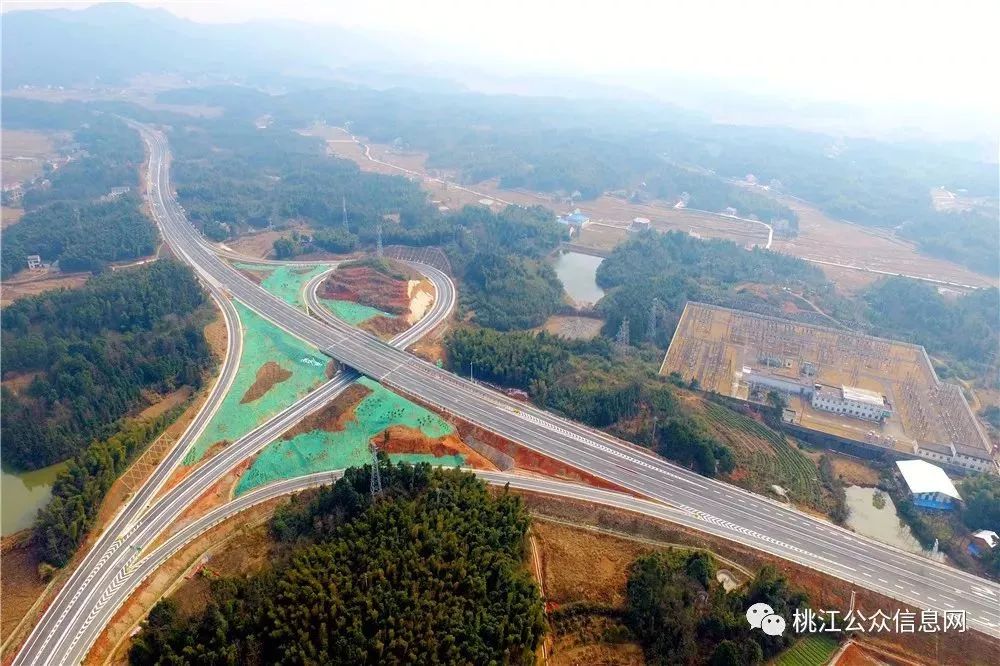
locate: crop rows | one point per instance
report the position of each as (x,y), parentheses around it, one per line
(767,456)
(809,651)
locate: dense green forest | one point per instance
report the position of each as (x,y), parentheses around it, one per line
(507,281)
(431,573)
(79,490)
(587,382)
(509,292)
(674,268)
(93,354)
(681,615)
(112,155)
(65,220)
(82,237)
(966,329)
(231,173)
(981,511)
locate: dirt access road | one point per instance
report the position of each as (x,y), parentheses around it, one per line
(851,256)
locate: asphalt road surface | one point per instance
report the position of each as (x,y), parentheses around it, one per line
(721,508)
(70,625)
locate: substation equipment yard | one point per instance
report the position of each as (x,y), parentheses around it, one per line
(878,393)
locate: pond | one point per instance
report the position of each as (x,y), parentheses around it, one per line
(22,494)
(876,517)
(578,274)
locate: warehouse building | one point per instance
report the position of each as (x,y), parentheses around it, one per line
(929,486)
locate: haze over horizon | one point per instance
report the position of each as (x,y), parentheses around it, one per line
(911,58)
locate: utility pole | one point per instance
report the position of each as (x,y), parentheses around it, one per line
(471,378)
(375,478)
(654,311)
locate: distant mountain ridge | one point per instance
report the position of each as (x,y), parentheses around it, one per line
(111,43)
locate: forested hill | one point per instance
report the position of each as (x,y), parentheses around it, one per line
(431,573)
(67,215)
(965,329)
(674,268)
(77,361)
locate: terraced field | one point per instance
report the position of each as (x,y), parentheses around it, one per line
(813,650)
(765,457)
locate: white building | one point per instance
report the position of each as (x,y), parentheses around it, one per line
(964,457)
(766,382)
(929,486)
(639,224)
(34,261)
(983,542)
(852,401)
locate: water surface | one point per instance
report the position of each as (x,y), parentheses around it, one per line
(578,273)
(22,494)
(882,524)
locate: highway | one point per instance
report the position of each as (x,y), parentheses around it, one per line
(113,537)
(70,625)
(65,632)
(149,564)
(721,508)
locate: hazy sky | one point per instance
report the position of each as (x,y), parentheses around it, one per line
(870,51)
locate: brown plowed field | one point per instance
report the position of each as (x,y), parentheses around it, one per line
(368,287)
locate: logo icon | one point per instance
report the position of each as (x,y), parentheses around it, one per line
(773,625)
(761,616)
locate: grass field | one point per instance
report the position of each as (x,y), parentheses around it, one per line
(813,650)
(25,153)
(285,282)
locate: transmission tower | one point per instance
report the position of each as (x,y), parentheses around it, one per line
(621,340)
(343,203)
(654,311)
(375,478)
(378,240)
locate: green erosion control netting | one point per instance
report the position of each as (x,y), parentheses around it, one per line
(351,312)
(319,450)
(285,282)
(262,342)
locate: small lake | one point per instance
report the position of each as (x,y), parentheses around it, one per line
(879,523)
(22,494)
(578,274)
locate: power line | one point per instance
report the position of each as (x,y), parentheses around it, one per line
(375,478)
(622,339)
(654,312)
